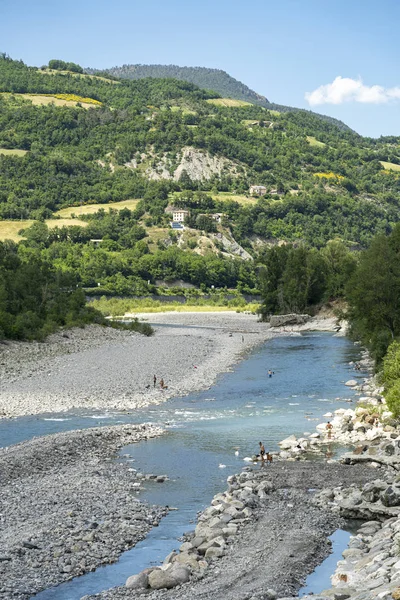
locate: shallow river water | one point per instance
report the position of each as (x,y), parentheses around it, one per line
(204,431)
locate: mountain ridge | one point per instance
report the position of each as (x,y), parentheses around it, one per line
(206,78)
(210,78)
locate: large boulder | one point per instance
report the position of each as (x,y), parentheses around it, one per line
(214,552)
(288,442)
(170,577)
(184,558)
(139,581)
(391,496)
(372,491)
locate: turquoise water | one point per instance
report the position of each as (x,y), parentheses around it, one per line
(319,580)
(204,431)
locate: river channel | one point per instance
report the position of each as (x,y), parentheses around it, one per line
(204,433)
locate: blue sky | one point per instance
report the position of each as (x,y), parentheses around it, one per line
(283,49)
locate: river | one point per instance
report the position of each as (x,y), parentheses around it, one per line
(205,430)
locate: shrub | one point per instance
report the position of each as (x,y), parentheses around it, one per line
(393,398)
(391,365)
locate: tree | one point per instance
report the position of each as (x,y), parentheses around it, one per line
(373,293)
(205,223)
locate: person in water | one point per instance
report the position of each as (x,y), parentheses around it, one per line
(269,373)
(329,428)
(262,452)
(162,384)
(154,381)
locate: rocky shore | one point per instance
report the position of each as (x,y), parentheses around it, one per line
(257,540)
(67,507)
(260,538)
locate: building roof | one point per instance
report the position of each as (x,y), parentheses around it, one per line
(171,209)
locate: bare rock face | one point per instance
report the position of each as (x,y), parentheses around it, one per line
(197,164)
(292,319)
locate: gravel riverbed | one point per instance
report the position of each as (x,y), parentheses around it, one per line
(103,368)
(67,507)
(281,541)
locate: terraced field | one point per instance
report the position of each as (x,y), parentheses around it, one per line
(228,102)
(81,75)
(9,229)
(241,199)
(389,166)
(90,209)
(58,100)
(12,152)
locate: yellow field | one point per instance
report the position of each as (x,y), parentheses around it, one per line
(314,142)
(13,152)
(328,175)
(228,102)
(39,99)
(225,196)
(52,223)
(390,166)
(9,229)
(90,209)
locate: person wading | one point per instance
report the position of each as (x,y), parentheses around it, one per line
(262,452)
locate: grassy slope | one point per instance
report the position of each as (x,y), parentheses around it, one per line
(9,229)
(228,102)
(38,99)
(389,166)
(90,209)
(14,152)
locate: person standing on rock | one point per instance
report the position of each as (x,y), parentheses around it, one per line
(329,428)
(262,452)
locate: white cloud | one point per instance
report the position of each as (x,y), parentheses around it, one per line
(345,89)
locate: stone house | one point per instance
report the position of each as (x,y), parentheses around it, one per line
(178,214)
(258,190)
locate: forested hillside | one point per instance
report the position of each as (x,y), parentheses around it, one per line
(71,144)
(208,79)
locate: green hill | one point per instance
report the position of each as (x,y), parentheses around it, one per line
(71,142)
(208,79)
(68,139)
